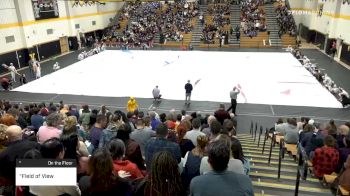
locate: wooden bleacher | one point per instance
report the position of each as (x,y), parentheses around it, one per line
(255,42)
(187,39)
(342,191)
(288,40)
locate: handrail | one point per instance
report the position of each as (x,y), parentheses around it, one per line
(256,128)
(280,157)
(302,168)
(251,128)
(265,138)
(260,132)
(272,139)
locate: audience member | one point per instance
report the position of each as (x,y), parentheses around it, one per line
(141,135)
(192,160)
(51,129)
(53,149)
(164,178)
(101,179)
(326,158)
(185,144)
(117,149)
(159,143)
(209,184)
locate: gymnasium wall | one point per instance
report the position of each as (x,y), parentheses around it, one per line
(20,33)
(334,22)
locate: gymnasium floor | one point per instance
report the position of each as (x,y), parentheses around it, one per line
(265,114)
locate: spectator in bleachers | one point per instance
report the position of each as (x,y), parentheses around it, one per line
(101,179)
(307,129)
(326,158)
(221,114)
(344,178)
(229,128)
(51,129)
(279,125)
(237,153)
(343,132)
(8,120)
(215,129)
(332,129)
(133,150)
(164,178)
(160,143)
(285,21)
(234,165)
(111,130)
(16,113)
(212,182)
(206,130)
(154,121)
(192,160)
(344,152)
(117,149)
(71,144)
(195,132)
(141,134)
(54,149)
(16,147)
(290,131)
(96,132)
(185,144)
(84,117)
(36,119)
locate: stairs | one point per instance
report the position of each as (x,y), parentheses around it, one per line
(272,25)
(198,28)
(264,175)
(235,20)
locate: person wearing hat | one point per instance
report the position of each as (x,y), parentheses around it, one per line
(132,105)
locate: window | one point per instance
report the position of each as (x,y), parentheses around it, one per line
(49,31)
(10,39)
(77,26)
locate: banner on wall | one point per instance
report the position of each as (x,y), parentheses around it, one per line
(45,9)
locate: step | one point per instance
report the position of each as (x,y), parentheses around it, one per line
(273,163)
(280,186)
(283,177)
(274,169)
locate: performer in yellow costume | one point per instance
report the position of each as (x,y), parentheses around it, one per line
(132,104)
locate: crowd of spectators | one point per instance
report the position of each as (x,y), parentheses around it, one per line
(340,94)
(326,145)
(253,19)
(117,153)
(150,18)
(285,21)
(214,29)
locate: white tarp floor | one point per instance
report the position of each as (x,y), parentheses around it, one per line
(264,78)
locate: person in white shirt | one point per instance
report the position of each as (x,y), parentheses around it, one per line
(195,132)
(56,66)
(156,93)
(13,72)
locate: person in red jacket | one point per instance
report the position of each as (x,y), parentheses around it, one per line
(326,158)
(117,149)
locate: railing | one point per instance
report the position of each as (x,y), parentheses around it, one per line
(302,168)
(256,128)
(280,157)
(265,138)
(260,132)
(271,146)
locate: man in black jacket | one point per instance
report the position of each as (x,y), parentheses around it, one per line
(188,88)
